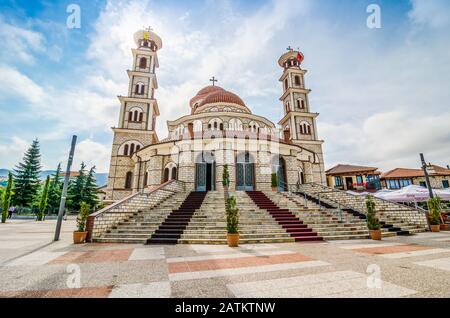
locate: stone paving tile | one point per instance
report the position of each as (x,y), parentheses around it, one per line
(93,257)
(440,263)
(331,284)
(392,249)
(431,251)
(147,253)
(150,290)
(35,259)
(90,292)
(217,264)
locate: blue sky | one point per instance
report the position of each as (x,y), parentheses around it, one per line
(382,94)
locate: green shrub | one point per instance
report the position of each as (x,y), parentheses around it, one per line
(232,216)
(434,212)
(274,180)
(83,216)
(372,221)
(225,176)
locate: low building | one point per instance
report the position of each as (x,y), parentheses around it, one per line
(351,177)
(402,177)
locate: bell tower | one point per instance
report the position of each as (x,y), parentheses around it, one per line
(137,116)
(298,122)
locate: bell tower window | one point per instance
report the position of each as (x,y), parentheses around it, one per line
(139,89)
(143,62)
(297,80)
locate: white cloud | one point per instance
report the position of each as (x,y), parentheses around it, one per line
(12,150)
(14,84)
(434,13)
(92,154)
(21,43)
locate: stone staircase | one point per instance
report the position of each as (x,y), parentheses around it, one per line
(329,223)
(208,224)
(288,220)
(143,222)
(396,219)
(174,225)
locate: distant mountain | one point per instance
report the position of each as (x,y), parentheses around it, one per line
(101,178)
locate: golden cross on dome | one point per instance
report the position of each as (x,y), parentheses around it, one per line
(213,80)
(289,48)
(148,29)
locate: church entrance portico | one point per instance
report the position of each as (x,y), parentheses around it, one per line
(205,172)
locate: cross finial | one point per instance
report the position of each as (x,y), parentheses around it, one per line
(213,80)
(289,48)
(148,29)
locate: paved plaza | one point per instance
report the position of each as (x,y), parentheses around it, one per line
(414,266)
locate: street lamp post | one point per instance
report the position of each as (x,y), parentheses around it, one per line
(427,177)
(62,203)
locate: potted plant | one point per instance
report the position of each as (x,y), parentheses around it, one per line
(434,214)
(372,221)
(232,222)
(79,236)
(274,182)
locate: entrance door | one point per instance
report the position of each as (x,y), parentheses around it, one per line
(349,183)
(244,176)
(205,173)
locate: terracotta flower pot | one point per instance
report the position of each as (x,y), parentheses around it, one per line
(375,235)
(274,189)
(445,227)
(79,237)
(233,240)
(435,228)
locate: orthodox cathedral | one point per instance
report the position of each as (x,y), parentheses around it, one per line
(218,129)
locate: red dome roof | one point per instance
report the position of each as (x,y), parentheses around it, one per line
(222,97)
(215,94)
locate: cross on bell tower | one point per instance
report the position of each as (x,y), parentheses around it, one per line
(289,48)
(213,80)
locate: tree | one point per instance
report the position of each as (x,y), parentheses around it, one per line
(77,188)
(6,197)
(55,190)
(90,189)
(26,176)
(372,221)
(43,204)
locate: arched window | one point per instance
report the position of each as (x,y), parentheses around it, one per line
(297,80)
(141,116)
(305,128)
(143,62)
(174,174)
(198,125)
(125,150)
(128,180)
(145,179)
(221,126)
(215,125)
(131,149)
(138,148)
(166,174)
(235,124)
(300,103)
(286,84)
(287,107)
(139,89)
(130,116)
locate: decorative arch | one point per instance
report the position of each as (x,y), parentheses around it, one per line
(170,172)
(300,103)
(179,130)
(135,114)
(139,88)
(215,124)
(304,128)
(235,124)
(129,147)
(198,125)
(253,126)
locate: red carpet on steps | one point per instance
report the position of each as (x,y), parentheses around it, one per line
(285,218)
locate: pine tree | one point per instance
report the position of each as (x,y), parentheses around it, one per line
(55,190)
(90,189)
(43,204)
(77,189)
(6,197)
(26,176)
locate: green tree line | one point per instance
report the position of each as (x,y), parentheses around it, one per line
(25,189)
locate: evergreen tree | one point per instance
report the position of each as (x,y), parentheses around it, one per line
(77,189)
(26,176)
(6,197)
(90,189)
(43,204)
(55,190)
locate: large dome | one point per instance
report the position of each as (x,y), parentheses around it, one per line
(214,94)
